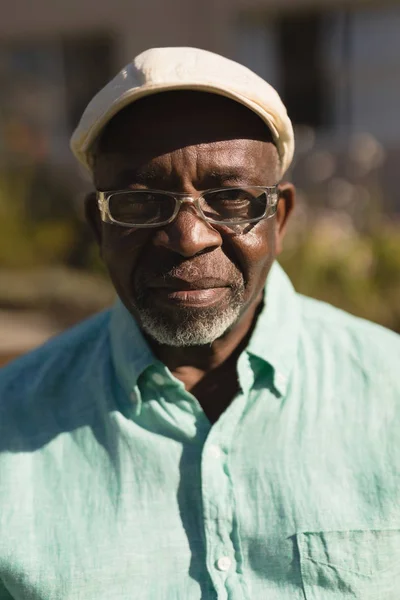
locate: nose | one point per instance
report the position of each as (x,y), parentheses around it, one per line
(188,234)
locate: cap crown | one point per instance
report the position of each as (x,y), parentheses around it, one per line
(163,69)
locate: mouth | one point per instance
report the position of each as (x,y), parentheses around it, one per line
(177,292)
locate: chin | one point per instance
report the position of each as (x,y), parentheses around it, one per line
(188,327)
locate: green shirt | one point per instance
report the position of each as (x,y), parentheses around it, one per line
(115,486)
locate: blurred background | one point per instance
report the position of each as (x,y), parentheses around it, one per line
(337,68)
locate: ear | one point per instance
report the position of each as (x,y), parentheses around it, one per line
(92,215)
(286,202)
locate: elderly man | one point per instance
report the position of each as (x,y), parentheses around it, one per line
(213,435)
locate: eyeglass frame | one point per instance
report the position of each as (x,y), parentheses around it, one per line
(181,198)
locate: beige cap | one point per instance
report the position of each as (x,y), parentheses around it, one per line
(163,69)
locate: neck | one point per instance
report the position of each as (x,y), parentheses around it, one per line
(209,372)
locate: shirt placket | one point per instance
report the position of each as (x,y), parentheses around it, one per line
(223,548)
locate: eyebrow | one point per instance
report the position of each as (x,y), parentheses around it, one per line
(141,175)
(155,175)
(226,174)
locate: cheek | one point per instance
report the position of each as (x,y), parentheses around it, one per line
(256,251)
(121,249)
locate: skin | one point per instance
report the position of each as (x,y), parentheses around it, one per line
(188,142)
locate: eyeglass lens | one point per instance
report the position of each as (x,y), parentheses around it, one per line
(138,207)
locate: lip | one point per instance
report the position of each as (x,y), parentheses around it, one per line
(200,297)
(185,285)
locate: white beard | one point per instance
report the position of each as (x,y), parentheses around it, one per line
(199,330)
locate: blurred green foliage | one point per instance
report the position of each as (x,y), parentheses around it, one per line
(356,271)
(39,223)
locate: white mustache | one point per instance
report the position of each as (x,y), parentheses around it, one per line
(193,270)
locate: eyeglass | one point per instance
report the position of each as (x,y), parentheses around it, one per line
(155,208)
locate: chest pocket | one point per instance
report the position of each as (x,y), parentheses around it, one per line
(339,565)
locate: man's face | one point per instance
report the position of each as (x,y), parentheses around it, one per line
(189,282)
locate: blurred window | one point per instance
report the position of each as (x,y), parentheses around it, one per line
(336,70)
(303,84)
(45,86)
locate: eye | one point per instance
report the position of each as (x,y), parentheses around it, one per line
(140,207)
(231,195)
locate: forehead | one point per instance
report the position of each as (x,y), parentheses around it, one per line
(203,127)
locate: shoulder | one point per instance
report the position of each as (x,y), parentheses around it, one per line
(58,353)
(372,348)
(48,370)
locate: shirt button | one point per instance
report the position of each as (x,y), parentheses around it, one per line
(158,379)
(224,563)
(215,451)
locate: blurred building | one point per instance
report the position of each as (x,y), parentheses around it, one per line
(337,65)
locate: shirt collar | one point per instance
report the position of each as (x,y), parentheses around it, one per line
(130,351)
(276,334)
(274,339)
